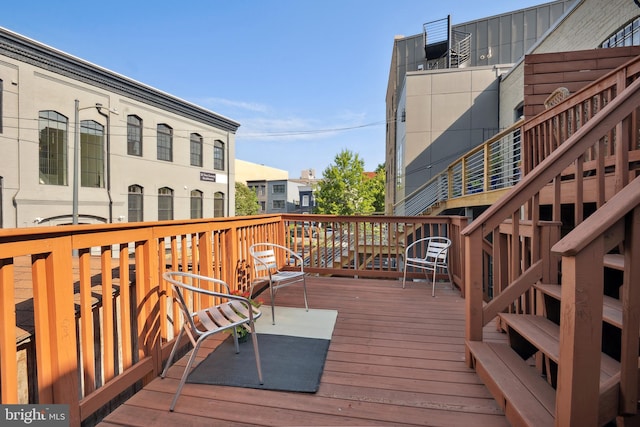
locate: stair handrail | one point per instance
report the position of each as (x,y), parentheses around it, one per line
(600,221)
(558,160)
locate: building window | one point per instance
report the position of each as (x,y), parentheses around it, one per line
(165,143)
(218,155)
(135,203)
(627,35)
(262,190)
(196,204)
(278,204)
(278,189)
(52,128)
(196,150)
(165,203)
(263,206)
(91,154)
(305,200)
(134,135)
(218,204)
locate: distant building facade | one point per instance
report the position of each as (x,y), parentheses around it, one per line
(285,195)
(444,95)
(82,144)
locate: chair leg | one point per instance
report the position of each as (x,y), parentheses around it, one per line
(273,313)
(404,276)
(450,278)
(254,338)
(234,332)
(173,353)
(304,291)
(185,374)
(433,282)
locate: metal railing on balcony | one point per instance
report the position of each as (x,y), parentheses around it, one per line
(494,165)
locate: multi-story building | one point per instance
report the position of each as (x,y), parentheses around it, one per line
(82,144)
(442,100)
(276,192)
(444,94)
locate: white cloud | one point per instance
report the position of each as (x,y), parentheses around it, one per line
(214,103)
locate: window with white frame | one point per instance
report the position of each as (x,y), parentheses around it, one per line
(218,155)
(196,204)
(218,204)
(52,150)
(165,203)
(165,143)
(91,154)
(135,203)
(134,135)
(196,149)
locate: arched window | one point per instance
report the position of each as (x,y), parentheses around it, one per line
(218,155)
(196,150)
(134,135)
(135,203)
(626,35)
(52,129)
(91,154)
(196,204)
(165,143)
(218,204)
(165,203)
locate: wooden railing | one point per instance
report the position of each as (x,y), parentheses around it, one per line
(615,226)
(366,246)
(100,320)
(582,150)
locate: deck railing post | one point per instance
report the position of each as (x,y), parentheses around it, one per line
(473,288)
(577,398)
(57,322)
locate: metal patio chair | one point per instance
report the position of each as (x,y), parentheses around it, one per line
(265,260)
(435,258)
(193,292)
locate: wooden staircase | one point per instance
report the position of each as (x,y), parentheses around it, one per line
(570,304)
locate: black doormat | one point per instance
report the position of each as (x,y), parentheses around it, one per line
(288,364)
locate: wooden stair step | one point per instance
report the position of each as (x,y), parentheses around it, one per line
(612,307)
(615,261)
(545,336)
(525,397)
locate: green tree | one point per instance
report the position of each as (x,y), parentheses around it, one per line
(246,200)
(344,189)
(376,187)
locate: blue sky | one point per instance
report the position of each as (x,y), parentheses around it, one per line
(304,78)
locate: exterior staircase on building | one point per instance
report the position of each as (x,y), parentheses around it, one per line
(570,304)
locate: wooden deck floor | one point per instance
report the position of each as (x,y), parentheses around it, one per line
(396,358)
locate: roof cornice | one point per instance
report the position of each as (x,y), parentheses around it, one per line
(23,49)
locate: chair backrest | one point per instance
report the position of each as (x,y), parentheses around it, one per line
(438,248)
(190,293)
(264,258)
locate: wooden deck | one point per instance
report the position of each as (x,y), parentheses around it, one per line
(396,358)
